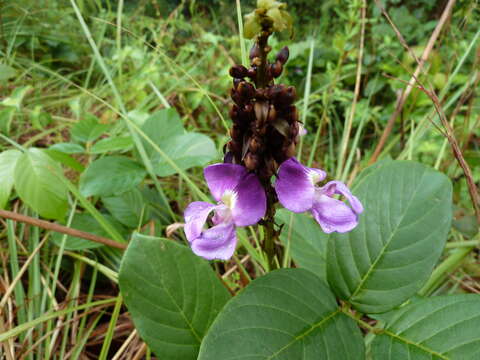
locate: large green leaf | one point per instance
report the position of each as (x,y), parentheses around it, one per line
(190,149)
(172,295)
(307,241)
(187,150)
(129,208)
(111,175)
(287,314)
(8,160)
(401,234)
(443,327)
(37,181)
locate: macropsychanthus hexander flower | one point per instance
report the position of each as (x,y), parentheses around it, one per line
(297,191)
(241,201)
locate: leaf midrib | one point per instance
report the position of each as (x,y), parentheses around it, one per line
(420,346)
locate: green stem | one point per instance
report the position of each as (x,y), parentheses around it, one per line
(270,234)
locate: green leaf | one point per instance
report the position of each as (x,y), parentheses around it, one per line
(112,144)
(161,126)
(111,175)
(443,327)
(87,223)
(186,151)
(401,234)
(65,159)
(127,208)
(88,129)
(37,181)
(68,148)
(172,295)
(6,73)
(15,100)
(308,243)
(287,314)
(8,160)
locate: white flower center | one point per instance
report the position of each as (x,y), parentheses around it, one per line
(229,198)
(314,176)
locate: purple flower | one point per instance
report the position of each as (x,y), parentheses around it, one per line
(297,191)
(241,201)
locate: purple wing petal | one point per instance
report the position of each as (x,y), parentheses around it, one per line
(337,187)
(218,242)
(195,217)
(222,177)
(250,201)
(295,185)
(333,215)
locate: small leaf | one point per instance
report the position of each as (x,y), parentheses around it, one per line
(111,175)
(308,243)
(127,207)
(37,181)
(121,144)
(391,253)
(88,129)
(68,148)
(172,295)
(8,160)
(161,126)
(186,151)
(443,327)
(65,159)
(6,73)
(287,314)
(15,100)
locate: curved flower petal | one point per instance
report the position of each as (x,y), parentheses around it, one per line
(223,177)
(337,187)
(250,202)
(196,215)
(218,242)
(295,185)
(333,215)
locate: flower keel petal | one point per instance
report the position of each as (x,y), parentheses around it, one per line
(337,187)
(196,215)
(333,215)
(218,242)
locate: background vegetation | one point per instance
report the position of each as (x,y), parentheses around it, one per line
(96,91)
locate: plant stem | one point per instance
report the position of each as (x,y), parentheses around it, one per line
(271,235)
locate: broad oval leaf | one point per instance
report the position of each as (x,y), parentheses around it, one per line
(88,129)
(284,315)
(128,208)
(172,295)
(8,160)
(37,181)
(443,327)
(401,234)
(111,175)
(186,151)
(121,144)
(306,241)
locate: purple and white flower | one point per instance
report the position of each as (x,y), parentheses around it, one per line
(241,201)
(297,191)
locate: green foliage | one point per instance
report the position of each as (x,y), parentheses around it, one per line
(172,295)
(8,160)
(37,182)
(287,314)
(388,257)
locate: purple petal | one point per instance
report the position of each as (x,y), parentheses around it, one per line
(333,215)
(222,177)
(218,242)
(337,187)
(250,202)
(295,185)
(196,215)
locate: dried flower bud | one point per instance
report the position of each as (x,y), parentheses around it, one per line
(238,71)
(251,161)
(254,51)
(255,145)
(246,90)
(272,114)
(282,55)
(252,73)
(290,150)
(256,61)
(236,81)
(276,69)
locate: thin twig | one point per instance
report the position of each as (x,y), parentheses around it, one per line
(403,98)
(60,229)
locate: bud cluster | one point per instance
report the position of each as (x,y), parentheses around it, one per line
(265,121)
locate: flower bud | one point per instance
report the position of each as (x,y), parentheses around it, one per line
(246,90)
(238,71)
(255,144)
(282,55)
(252,73)
(254,51)
(272,114)
(251,161)
(276,69)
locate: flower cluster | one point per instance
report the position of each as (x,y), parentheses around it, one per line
(241,201)
(264,134)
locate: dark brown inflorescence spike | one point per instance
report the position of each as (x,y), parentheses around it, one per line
(265,120)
